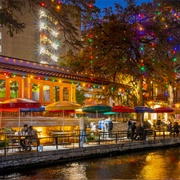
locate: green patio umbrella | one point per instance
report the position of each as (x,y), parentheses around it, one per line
(110,113)
(97,108)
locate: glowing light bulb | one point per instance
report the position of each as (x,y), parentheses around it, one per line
(42,25)
(55,46)
(55,58)
(42,50)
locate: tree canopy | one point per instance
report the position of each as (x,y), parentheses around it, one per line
(140,41)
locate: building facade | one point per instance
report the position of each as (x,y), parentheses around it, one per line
(45,83)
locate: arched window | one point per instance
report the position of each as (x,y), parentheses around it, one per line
(35,92)
(14,89)
(2,88)
(65,94)
(56,93)
(46,93)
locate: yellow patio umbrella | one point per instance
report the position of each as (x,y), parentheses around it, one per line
(62,106)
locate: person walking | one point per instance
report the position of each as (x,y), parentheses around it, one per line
(108,126)
(101,126)
(176,129)
(133,130)
(170,128)
(130,122)
(82,127)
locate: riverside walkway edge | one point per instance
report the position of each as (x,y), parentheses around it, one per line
(32,159)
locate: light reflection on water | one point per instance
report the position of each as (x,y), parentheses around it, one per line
(156,164)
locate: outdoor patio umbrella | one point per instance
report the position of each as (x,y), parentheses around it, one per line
(142,110)
(97,108)
(110,113)
(123,109)
(31,110)
(163,110)
(18,103)
(62,106)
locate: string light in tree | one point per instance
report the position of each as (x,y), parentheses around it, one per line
(90,37)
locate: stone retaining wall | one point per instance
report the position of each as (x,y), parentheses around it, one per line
(25,160)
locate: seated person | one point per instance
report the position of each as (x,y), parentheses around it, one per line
(23,131)
(33,137)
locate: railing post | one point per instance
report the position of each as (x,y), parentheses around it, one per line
(154,135)
(4,150)
(56,142)
(116,138)
(164,134)
(79,140)
(99,140)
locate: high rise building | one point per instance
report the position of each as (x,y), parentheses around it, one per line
(42,39)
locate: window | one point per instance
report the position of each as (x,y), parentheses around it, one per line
(2,88)
(14,89)
(56,92)
(35,92)
(46,93)
(65,94)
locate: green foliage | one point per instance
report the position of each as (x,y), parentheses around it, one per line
(4,143)
(80,97)
(7,130)
(91,137)
(132,41)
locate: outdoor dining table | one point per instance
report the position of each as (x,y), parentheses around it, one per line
(60,134)
(17,138)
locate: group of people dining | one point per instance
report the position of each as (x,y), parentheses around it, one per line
(30,136)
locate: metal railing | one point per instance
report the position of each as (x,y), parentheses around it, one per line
(76,140)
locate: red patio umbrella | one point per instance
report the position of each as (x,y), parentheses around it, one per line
(163,110)
(17,103)
(20,103)
(123,109)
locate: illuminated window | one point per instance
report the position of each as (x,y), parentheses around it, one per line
(14,89)
(2,88)
(35,92)
(65,94)
(46,93)
(56,92)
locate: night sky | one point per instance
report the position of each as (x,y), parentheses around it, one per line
(106,3)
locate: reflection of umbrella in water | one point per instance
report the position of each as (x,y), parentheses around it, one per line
(62,106)
(97,108)
(18,103)
(143,109)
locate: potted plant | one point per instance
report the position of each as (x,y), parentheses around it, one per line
(90,138)
(4,143)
